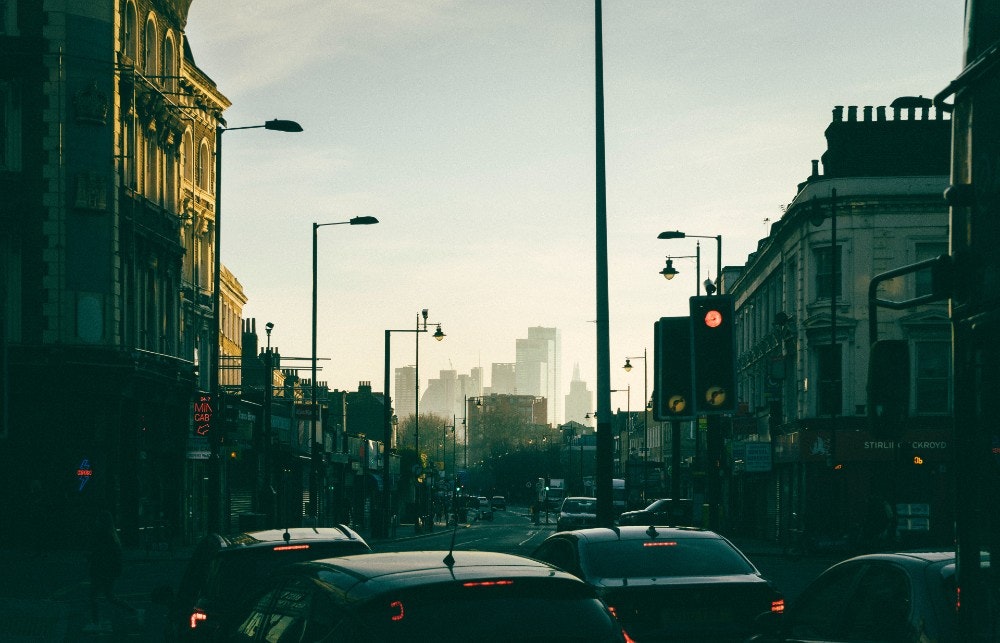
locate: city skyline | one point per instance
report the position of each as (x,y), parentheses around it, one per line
(467,128)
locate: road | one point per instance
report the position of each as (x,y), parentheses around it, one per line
(45,593)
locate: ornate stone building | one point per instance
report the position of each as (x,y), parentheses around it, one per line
(106,231)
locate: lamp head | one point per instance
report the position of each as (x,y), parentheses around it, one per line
(669,272)
(710,287)
(671,234)
(268,327)
(438,335)
(279,125)
(628,365)
(363,221)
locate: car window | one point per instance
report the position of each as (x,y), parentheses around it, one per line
(232,573)
(663,557)
(558,552)
(879,608)
(817,613)
(518,609)
(277,616)
(572,506)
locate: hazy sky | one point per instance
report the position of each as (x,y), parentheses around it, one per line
(467,128)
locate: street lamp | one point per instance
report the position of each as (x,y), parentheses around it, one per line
(267,495)
(215,482)
(669,272)
(645,415)
(628,421)
(387,407)
(677,234)
(314,445)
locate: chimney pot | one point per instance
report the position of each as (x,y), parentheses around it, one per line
(880,112)
(852,113)
(838,113)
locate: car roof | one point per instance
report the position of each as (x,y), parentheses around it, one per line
(635,532)
(272,537)
(909,557)
(362,576)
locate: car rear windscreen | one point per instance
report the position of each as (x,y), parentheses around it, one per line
(664,557)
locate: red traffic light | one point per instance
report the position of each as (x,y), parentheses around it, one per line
(713,318)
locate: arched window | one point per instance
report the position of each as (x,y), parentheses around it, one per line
(201,169)
(149,48)
(129,31)
(169,66)
(186,158)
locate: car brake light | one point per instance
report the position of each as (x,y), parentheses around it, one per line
(398,605)
(198,616)
(661,543)
(614,613)
(290,547)
(487,583)
(778,606)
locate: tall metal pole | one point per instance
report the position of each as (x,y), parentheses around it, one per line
(214,464)
(314,409)
(605,441)
(386,444)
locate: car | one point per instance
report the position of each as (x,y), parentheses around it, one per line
(499,502)
(438,596)
(667,583)
(223,568)
(577,512)
(661,512)
(896,596)
(485,509)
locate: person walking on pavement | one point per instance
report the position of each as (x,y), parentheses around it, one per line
(105,566)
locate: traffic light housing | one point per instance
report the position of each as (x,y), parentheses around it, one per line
(713,351)
(888,387)
(672,374)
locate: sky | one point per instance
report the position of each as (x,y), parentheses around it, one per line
(467,128)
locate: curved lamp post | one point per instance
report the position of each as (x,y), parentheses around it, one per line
(645,415)
(215,482)
(314,443)
(677,234)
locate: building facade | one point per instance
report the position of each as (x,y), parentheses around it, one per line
(805,332)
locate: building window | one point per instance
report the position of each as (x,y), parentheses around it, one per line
(201,167)
(169,70)
(828,271)
(10,129)
(129,31)
(829,399)
(149,49)
(8,17)
(933,370)
(926,251)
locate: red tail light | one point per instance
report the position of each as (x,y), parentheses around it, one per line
(487,583)
(198,616)
(614,613)
(778,606)
(290,547)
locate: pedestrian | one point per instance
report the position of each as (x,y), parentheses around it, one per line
(105,565)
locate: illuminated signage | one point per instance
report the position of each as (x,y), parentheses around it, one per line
(203,415)
(83,473)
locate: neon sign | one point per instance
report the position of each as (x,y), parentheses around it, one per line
(203,415)
(83,473)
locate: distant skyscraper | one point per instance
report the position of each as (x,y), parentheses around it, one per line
(502,379)
(579,400)
(538,368)
(404,401)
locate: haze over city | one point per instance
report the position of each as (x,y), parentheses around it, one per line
(467,128)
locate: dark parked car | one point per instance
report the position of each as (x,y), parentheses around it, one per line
(661,512)
(223,569)
(676,584)
(424,596)
(485,509)
(899,597)
(577,512)
(499,503)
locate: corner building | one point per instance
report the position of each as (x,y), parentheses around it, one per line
(106,232)
(801,450)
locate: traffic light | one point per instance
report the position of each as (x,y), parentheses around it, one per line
(713,352)
(672,391)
